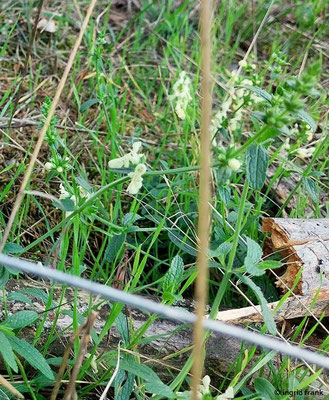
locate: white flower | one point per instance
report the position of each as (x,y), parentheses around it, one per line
(45,25)
(236,120)
(136,179)
(243,63)
(205,387)
(309,133)
(229,394)
(286,144)
(234,164)
(181,94)
(246,82)
(132,157)
(63,193)
(305,153)
(59,169)
(218,119)
(84,194)
(49,166)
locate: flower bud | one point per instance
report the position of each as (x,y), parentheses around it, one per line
(234,164)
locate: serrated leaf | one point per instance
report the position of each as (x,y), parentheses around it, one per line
(311,188)
(114,247)
(265,389)
(17,296)
(123,392)
(267,315)
(83,183)
(7,352)
(121,324)
(38,293)
(130,218)
(174,274)
(21,319)
(64,204)
(222,250)
(257,162)
(307,118)
(159,388)
(270,264)
(89,103)
(4,276)
(260,93)
(251,261)
(181,242)
(254,251)
(153,382)
(13,248)
(252,267)
(31,355)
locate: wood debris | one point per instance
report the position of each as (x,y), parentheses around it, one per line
(305,244)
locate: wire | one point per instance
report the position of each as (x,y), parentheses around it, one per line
(167,312)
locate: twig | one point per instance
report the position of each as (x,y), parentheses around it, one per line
(70,391)
(7,385)
(63,365)
(44,129)
(115,372)
(201,287)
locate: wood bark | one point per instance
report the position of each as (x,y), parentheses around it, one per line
(304,243)
(162,339)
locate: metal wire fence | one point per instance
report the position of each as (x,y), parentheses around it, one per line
(162,310)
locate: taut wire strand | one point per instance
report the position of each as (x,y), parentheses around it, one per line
(167,312)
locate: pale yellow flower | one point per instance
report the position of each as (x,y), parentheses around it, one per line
(305,152)
(181,94)
(132,157)
(136,179)
(49,166)
(234,164)
(243,63)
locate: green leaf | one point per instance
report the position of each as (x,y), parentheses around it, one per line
(260,92)
(153,382)
(83,183)
(159,388)
(182,242)
(114,247)
(17,296)
(270,264)
(64,204)
(13,248)
(254,251)
(222,250)
(267,315)
(31,355)
(38,293)
(4,276)
(123,392)
(7,352)
(307,118)
(130,218)
(121,324)
(311,188)
(21,319)
(265,389)
(257,162)
(174,274)
(89,103)
(254,254)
